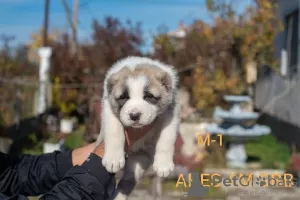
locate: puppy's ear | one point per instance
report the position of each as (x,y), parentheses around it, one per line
(166,80)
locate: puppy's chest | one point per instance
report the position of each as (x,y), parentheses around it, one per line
(146,143)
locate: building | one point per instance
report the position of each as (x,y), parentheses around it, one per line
(180,32)
(176,36)
(278,94)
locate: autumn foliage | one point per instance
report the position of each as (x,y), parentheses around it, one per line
(83,73)
(221,51)
(212,58)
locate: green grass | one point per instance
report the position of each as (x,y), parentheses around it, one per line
(75,140)
(272,153)
(37,145)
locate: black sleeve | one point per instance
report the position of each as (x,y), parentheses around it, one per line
(88,181)
(31,175)
(14,197)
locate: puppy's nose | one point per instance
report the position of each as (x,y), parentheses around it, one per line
(135,116)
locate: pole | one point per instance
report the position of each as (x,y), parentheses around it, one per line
(45,54)
(46,19)
(72,22)
(75,22)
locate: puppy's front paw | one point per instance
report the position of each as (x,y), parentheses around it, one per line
(163,166)
(113,162)
(120,196)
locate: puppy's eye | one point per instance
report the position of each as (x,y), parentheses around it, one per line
(150,98)
(124,96)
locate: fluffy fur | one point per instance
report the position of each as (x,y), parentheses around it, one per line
(139,92)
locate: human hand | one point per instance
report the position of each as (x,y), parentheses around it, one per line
(132,135)
(79,155)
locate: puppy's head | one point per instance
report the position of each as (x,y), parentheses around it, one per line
(138,96)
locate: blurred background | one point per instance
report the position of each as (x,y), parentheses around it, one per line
(54,55)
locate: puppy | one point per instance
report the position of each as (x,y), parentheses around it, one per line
(140,94)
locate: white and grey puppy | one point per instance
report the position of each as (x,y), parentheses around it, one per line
(139,92)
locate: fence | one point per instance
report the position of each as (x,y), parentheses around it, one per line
(17,99)
(20,94)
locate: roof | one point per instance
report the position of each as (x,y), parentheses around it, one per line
(180,32)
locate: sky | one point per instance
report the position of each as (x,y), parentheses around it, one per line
(22,17)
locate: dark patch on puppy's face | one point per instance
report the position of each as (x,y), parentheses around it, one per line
(117,90)
(123,98)
(165,79)
(118,98)
(150,97)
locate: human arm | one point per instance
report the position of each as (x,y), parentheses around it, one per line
(11,168)
(24,176)
(32,175)
(37,174)
(88,181)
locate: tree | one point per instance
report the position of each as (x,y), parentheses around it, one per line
(14,60)
(36,42)
(259,27)
(224,52)
(14,64)
(213,87)
(210,50)
(110,41)
(253,32)
(223,8)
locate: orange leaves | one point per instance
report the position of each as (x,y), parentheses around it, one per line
(225,47)
(209,87)
(256,28)
(259,32)
(210,4)
(207,33)
(37,42)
